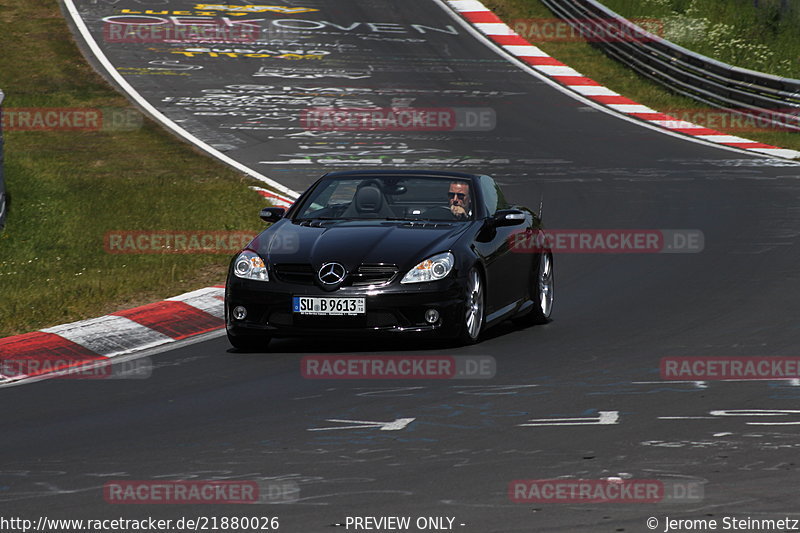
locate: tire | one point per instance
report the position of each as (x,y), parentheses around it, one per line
(473,317)
(248,342)
(542,293)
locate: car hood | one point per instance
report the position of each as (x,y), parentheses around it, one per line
(356,242)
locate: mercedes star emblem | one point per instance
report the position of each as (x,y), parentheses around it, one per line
(331,273)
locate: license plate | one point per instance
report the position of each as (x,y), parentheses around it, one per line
(313,305)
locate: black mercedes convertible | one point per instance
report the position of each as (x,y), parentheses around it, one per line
(389,252)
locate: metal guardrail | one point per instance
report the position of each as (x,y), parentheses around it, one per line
(767,98)
(3,202)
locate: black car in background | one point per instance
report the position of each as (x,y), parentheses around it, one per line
(388,252)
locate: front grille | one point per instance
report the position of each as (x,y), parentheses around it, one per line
(365,275)
(295,273)
(373,275)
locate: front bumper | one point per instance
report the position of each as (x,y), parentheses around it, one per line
(392,309)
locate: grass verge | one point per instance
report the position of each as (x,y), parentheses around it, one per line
(592,62)
(69,188)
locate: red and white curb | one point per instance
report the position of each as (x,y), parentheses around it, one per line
(71,347)
(276,199)
(85,342)
(499,33)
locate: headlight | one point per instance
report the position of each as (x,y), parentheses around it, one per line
(432,269)
(249,265)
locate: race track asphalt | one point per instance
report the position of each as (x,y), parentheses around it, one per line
(208,412)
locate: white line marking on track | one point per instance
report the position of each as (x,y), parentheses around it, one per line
(394,425)
(605,418)
(155,113)
(686,418)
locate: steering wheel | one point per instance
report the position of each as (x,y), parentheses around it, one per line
(439,212)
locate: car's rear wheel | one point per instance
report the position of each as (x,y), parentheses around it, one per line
(474,308)
(542,293)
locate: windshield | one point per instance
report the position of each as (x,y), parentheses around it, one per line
(389,198)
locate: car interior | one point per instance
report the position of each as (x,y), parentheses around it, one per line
(422,199)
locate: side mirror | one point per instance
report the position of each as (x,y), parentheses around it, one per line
(508,217)
(272,214)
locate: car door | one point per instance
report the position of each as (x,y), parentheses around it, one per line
(507,272)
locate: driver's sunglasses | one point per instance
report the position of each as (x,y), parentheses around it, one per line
(460,195)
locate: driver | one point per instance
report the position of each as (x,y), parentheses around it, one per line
(458,199)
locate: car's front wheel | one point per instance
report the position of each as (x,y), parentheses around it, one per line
(474,308)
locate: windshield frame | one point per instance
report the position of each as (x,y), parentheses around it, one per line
(305,200)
